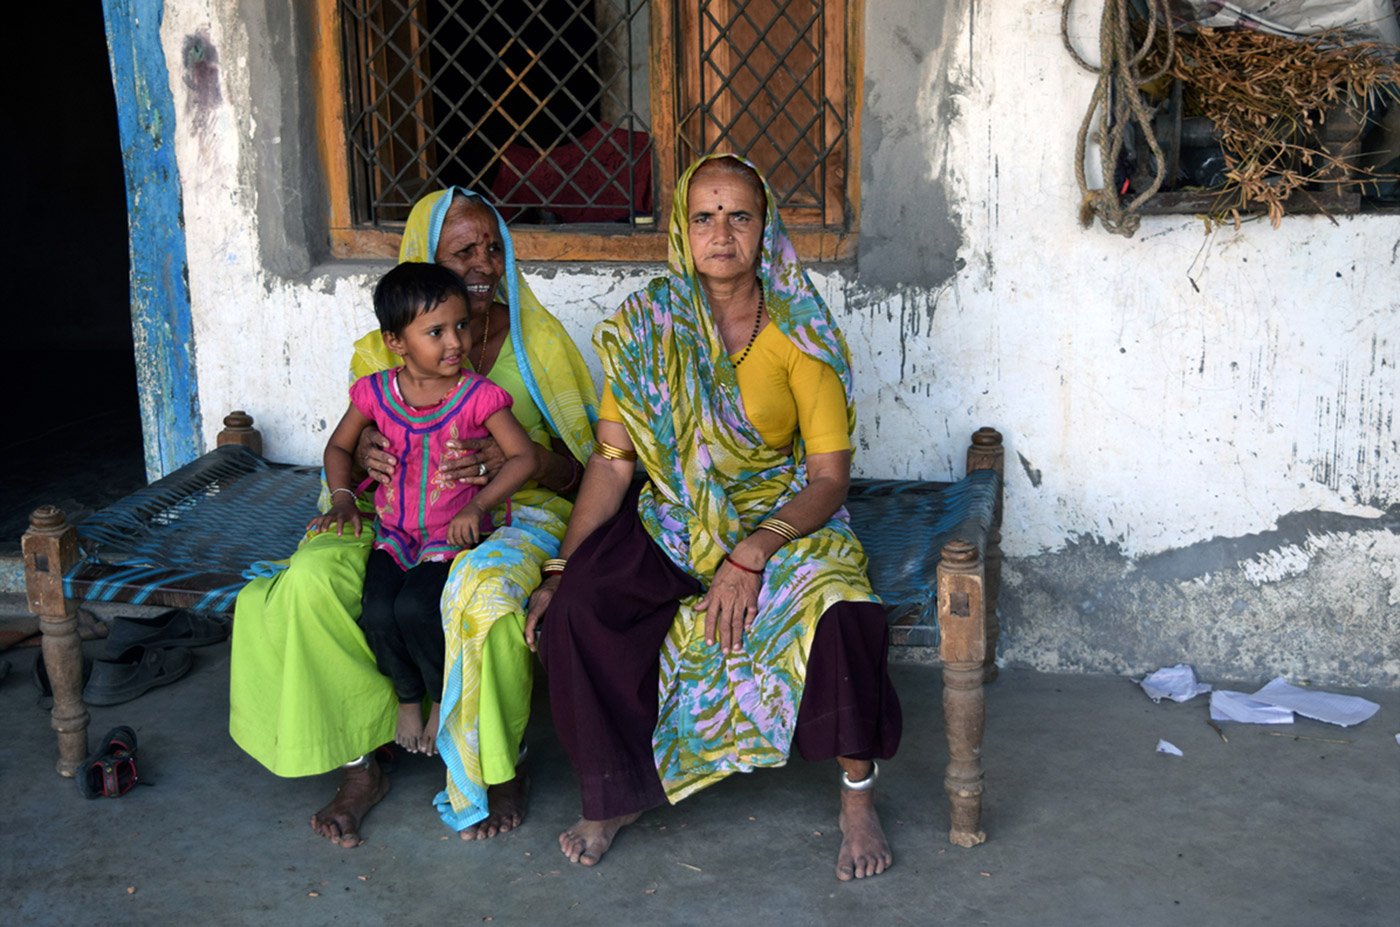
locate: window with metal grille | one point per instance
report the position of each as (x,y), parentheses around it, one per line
(577,115)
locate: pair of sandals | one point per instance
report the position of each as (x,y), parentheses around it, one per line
(143,653)
(111,771)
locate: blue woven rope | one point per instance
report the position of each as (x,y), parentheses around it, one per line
(903,525)
(230,508)
(209,519)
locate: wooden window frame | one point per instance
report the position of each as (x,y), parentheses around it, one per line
(597,242)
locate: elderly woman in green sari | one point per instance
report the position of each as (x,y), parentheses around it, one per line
(719,616)
(305,694)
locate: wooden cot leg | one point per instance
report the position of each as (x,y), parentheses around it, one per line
(50,549)
(986,453)
(962,648)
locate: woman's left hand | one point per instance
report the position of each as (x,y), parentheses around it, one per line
(471,460)
(730,605)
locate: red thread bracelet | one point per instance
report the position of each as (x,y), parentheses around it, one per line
(737,565)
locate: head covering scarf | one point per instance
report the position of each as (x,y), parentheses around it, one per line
(553,370)
(678,390)
(712,480)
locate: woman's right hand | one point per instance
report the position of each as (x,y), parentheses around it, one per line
(372,453)
(539,601)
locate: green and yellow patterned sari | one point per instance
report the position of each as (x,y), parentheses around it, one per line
(713,479)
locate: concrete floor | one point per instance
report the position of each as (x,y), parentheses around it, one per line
(1088,826)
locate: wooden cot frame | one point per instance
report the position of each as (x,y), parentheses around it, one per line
(967,584)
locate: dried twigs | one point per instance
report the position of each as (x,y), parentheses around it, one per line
(1271,98)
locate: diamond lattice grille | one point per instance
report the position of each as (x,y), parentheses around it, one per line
(758,79)
(541,103)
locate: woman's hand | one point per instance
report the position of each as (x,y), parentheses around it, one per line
(731,603)
(470,460)
(340,513)
(372,453)
(539,601)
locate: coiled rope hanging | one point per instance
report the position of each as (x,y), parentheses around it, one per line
(1117,100)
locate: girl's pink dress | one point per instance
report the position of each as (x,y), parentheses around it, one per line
(414,510)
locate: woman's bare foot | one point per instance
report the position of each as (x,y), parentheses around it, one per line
(587,841)
(361,788)
(427,740)
(408,732)
(864,849)
(505,809)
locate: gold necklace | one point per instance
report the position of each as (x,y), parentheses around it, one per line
(757,317)
(485,337)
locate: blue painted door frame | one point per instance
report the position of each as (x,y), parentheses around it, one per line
(160,297)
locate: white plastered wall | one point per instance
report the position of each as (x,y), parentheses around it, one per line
(1155,393)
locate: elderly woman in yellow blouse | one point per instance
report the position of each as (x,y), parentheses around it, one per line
(719,615)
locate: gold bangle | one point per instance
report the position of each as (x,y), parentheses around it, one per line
(553,565)
(608,452)
(780,528)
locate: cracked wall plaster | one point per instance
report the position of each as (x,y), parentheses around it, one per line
(1317,601)
(1175,395)
(909,229)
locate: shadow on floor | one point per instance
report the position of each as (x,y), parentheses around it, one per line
(1088,826)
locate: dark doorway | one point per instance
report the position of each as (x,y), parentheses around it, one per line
(73,427)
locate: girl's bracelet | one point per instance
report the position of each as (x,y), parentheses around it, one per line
(739,566)
(554,566)
(349,492)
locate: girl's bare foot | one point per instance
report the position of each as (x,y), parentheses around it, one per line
(505,809)
(864,849)
(427,740)
(361,788)
(408,732)
(587,841)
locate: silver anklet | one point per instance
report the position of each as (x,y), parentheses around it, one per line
(863,785)
(357,762)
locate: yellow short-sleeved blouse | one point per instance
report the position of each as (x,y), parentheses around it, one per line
(785,393)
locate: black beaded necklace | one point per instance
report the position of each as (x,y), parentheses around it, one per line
(757,318)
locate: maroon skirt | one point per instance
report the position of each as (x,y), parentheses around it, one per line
(600,642)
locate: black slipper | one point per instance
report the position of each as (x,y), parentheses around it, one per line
(135,671)
(111,770)
(40,675)
(387,758)
(180,627)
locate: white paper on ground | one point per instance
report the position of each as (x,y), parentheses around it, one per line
(1169,748)
(1342,710)
(1177,683)
(1236,706)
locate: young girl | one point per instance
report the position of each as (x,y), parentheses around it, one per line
(422,523)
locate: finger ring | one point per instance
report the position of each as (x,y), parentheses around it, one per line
(481,469)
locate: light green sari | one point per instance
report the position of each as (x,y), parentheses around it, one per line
(305,694)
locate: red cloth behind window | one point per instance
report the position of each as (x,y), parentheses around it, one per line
(591,167)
